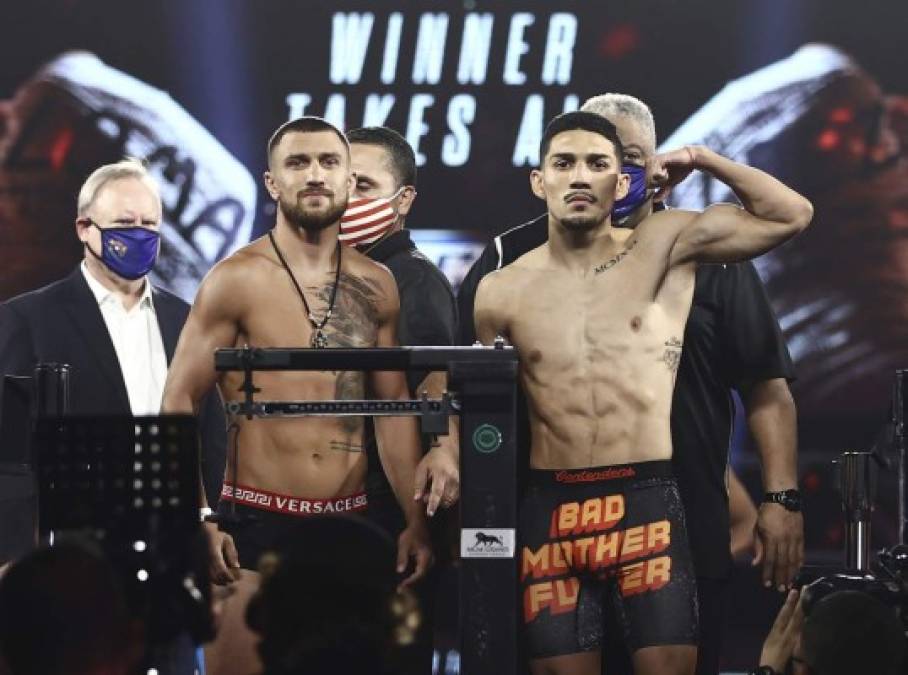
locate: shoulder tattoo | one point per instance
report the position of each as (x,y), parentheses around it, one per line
(354,321)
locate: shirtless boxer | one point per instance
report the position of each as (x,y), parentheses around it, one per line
(598,324)
(296,287)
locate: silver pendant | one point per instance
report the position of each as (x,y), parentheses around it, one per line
(319,340)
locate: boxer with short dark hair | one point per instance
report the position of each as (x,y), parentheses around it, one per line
(297,287)
(304,125)
(598,320)
(732,340)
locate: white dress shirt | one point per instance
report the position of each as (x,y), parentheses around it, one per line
(136,338)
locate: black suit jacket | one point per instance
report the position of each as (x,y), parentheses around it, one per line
(62,323)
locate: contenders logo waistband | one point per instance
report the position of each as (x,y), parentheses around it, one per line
(294,506)
(592,475)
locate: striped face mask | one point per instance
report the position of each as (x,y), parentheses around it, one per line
(367,220)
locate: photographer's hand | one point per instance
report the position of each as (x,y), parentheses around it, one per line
(784,635)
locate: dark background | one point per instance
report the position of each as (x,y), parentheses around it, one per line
(232,63)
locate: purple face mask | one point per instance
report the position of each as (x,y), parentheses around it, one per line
(637,193)
(129,252)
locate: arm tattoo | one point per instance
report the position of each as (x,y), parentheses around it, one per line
(671,357)
(608,264)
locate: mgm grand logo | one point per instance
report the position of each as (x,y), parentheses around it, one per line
(488,543)
(483,539)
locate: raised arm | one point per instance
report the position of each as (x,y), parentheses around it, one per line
(398,443)
(771,213)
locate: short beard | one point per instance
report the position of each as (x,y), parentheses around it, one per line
(580,223)
(311,222)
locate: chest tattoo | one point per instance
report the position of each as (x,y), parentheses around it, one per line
(608,264)
(350,385)
(354,323)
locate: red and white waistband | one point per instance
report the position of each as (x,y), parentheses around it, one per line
(293,506)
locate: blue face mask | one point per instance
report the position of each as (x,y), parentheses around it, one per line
(129,252)
(637,193)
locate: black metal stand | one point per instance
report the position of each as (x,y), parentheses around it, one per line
(50,394)
(488,513)
(132,483)
(25,399)
(857,484)
(485,381)
(113,473)
(899,403)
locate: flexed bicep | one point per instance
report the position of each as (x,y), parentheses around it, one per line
(770,212)
(724,233)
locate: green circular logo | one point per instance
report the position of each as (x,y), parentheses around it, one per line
(487,438)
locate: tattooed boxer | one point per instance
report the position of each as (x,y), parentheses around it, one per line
(297,287)
(598,321)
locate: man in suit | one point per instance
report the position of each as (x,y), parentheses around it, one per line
(105,320)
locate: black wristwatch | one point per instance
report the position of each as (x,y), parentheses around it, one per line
(790,499)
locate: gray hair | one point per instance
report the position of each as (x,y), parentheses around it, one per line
(608,105)
(126,168)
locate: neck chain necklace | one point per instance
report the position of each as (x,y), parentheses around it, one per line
(319,339)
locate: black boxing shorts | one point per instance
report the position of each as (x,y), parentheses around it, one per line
(613,534)
(256,519)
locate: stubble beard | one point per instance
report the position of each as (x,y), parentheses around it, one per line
(581,223)
(310,221)
(585,222)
